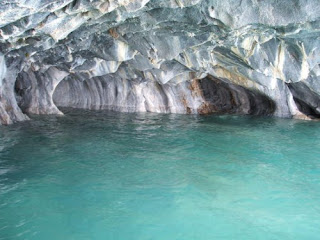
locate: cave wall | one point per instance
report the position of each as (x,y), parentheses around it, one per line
(10,112)
(266,53)
(205,96)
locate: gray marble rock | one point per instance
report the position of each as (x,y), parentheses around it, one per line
(180,56)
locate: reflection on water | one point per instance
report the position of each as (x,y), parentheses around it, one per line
(107,175)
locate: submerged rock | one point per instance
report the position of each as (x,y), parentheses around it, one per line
(184,56)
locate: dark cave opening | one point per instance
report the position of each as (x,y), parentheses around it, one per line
(224,97)
(307,101)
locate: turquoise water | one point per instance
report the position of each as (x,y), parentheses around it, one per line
(106,175)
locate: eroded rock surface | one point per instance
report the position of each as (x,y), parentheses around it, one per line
(185,56)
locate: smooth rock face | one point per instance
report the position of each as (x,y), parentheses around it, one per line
(196,97)
(254,57)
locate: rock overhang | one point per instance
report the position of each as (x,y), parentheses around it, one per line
(263,46)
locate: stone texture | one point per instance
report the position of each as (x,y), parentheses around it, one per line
(262,54)
(208,95)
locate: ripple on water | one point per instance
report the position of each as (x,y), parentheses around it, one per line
(107,175)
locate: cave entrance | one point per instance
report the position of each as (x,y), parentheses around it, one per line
(307,101)
(228,98)
(204,96)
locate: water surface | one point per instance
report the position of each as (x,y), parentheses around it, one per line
(105,175)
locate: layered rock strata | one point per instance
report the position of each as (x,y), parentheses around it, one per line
(183,56)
